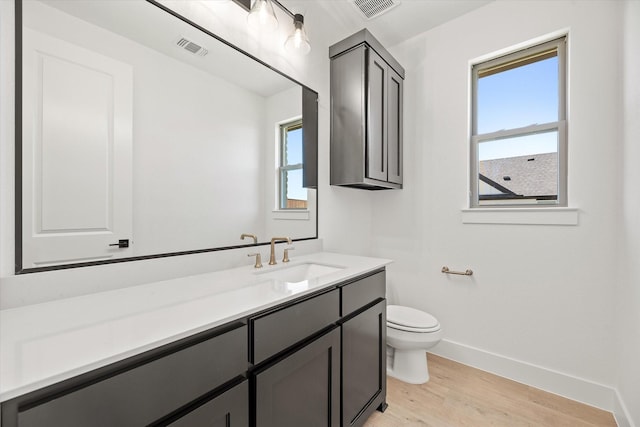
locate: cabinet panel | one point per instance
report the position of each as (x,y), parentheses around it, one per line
(147,392)
(273,332)
(347,111)
(357,294)
(377,117)
(310,138)
(394,127)
(230,409)
(302,389)
(363,364)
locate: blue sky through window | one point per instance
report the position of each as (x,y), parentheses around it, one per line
(294,146)
(294,156)
(517,98)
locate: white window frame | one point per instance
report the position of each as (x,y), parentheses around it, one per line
(283,168)
(560,125)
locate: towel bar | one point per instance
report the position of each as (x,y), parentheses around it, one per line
(467,272)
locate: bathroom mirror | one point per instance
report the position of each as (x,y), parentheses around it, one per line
(141,135)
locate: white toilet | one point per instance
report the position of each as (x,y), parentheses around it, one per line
(410,333)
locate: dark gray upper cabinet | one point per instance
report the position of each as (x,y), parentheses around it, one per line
(366,114)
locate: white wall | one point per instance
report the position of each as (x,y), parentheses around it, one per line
(541,296)
(628,292)
(196,169)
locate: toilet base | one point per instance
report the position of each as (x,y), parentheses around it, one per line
(409,366)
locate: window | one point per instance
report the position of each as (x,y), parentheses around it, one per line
(519,142)
(292,194)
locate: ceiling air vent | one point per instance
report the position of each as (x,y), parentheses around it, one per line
(192,47)
(373,8)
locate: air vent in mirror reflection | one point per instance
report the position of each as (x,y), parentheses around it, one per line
(191,47)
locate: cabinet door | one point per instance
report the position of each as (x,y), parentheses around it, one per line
(376,167)
(230,409)
(303,388)
(364,380)
(394,127)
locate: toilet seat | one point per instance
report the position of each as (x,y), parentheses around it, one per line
(409,319)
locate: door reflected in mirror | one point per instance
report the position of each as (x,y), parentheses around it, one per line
(138,126)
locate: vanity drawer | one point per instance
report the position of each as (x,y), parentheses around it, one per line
(277,330)
(146,391)
(356,295)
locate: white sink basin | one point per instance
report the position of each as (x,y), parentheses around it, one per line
(299,272)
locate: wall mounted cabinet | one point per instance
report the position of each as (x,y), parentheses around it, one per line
(366,114)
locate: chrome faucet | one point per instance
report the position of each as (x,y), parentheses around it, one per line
(272,257)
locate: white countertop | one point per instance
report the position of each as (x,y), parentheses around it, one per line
(43,344)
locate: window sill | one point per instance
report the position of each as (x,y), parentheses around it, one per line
(522,216)
(294,214)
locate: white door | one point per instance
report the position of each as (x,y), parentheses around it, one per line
(77,149)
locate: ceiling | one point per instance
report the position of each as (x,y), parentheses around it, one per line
(408,19)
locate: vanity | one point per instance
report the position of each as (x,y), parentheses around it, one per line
(296,344)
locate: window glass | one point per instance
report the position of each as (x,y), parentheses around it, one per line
(521,169)
(292,195)
(518,97)
(296,197)
(294,146)
(519,140)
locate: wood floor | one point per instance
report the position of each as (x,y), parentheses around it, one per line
(459,396)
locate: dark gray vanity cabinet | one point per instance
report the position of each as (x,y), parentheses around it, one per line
(203,373)
(363,324)
(366,114)
(318,360)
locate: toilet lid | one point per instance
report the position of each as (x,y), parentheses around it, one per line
(407,317)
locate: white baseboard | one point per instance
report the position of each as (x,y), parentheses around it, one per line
(620,412)
(581,390)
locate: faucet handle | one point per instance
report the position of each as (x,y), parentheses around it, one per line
(258,263)
(285,258)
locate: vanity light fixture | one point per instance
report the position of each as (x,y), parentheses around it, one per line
(262,16)
(298,42)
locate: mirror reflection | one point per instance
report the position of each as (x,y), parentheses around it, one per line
(142,135)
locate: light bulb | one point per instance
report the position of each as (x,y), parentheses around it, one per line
(298,42)
(262,16)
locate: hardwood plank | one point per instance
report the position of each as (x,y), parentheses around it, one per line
(458,396)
